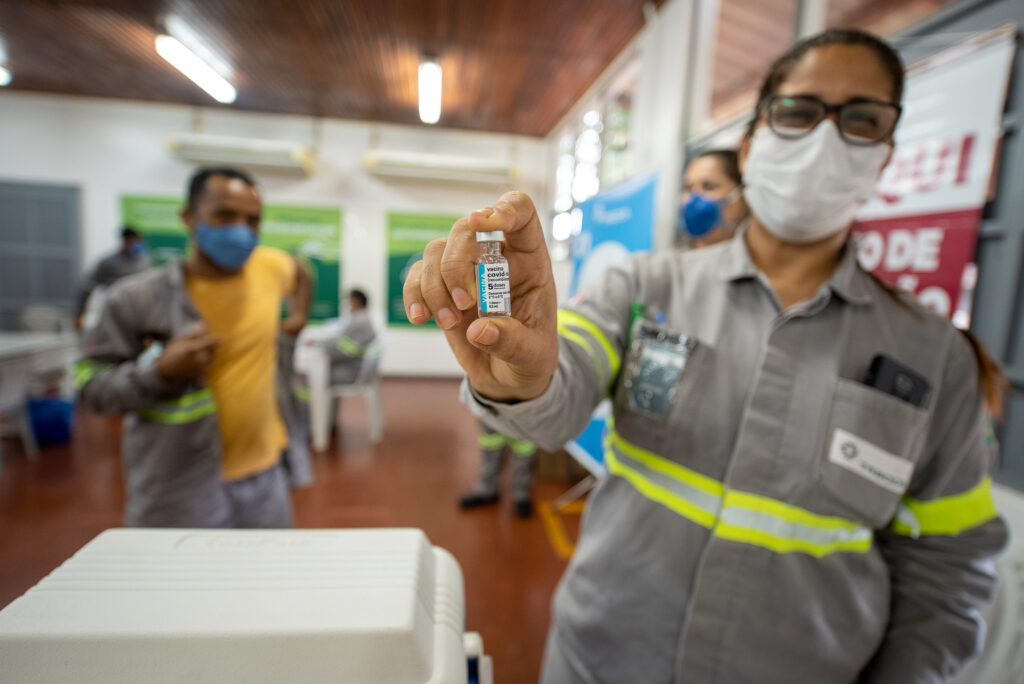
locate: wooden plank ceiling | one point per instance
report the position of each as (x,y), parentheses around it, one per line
(513,66)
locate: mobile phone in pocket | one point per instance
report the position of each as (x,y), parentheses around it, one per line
(892,377)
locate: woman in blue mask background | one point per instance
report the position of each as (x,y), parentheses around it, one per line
(711,205)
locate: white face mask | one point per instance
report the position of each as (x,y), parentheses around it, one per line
(806,189)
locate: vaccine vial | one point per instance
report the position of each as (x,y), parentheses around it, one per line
(495,298)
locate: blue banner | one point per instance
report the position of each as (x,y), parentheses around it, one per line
(615,223)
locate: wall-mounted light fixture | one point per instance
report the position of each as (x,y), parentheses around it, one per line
(430,91)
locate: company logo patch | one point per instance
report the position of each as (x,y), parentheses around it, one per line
(870,462)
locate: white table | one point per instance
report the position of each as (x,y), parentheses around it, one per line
(313,361)
(17,344)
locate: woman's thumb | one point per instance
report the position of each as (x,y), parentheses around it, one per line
(510,341)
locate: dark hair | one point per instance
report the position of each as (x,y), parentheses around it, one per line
(783,66)
(993,383)
(129,233)
(197,183)
(359,296)
(730,161)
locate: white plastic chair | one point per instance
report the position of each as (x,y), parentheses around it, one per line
(14,377)
(367,384)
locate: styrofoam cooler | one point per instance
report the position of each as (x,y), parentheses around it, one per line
(145,605)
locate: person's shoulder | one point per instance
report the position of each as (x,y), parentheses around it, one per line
(273,259)
(924,333)
(902,308)
(675,263)
(139,289)
(154,276)
(272,255)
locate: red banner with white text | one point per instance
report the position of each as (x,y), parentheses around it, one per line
(919,232)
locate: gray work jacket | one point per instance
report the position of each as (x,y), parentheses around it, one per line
(785,522)
(348,350)
(109,270)
(171,444)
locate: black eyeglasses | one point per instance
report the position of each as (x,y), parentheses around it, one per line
(860,121)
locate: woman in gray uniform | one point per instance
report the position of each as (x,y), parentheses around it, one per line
(798,467)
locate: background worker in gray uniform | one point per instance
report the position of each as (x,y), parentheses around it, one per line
(131,258)
(493,445)
(350,347)
(798,466)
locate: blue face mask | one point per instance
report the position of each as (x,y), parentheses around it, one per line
(137,248)
(698,215)
(227,246)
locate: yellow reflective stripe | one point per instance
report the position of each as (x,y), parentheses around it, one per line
(666,467)
(185,409)
(350,346)
(738,516)
(570,319)
(186,400)
(657,493)
(521,447)
(492,440)
(179,417)
(948,515)
(568,334)
(301,392)
(84,371)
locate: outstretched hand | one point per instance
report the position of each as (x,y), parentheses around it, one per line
(504,358)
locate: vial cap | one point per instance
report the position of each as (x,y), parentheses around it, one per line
(490,236)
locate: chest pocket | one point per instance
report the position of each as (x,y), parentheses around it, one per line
(684,405)
(870,450)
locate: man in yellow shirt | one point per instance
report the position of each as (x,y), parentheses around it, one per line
(204,437)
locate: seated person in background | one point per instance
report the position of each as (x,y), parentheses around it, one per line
(131,258)
(347,350)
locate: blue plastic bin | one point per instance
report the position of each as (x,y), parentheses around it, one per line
(51,420)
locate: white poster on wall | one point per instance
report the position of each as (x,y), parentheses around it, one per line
(919,232)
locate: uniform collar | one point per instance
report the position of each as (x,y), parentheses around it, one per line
(848,281)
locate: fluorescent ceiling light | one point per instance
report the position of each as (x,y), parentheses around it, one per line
(179,29)
(430,92)
(185,61)
(5,76)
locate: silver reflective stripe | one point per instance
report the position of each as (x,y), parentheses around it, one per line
(706,502)
(769,524)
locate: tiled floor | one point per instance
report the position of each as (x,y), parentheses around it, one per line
(51,507)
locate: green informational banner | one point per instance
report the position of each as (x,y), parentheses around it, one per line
(313,234)
(157,218)
(408,234)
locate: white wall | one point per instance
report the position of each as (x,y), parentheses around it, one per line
(112,147)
